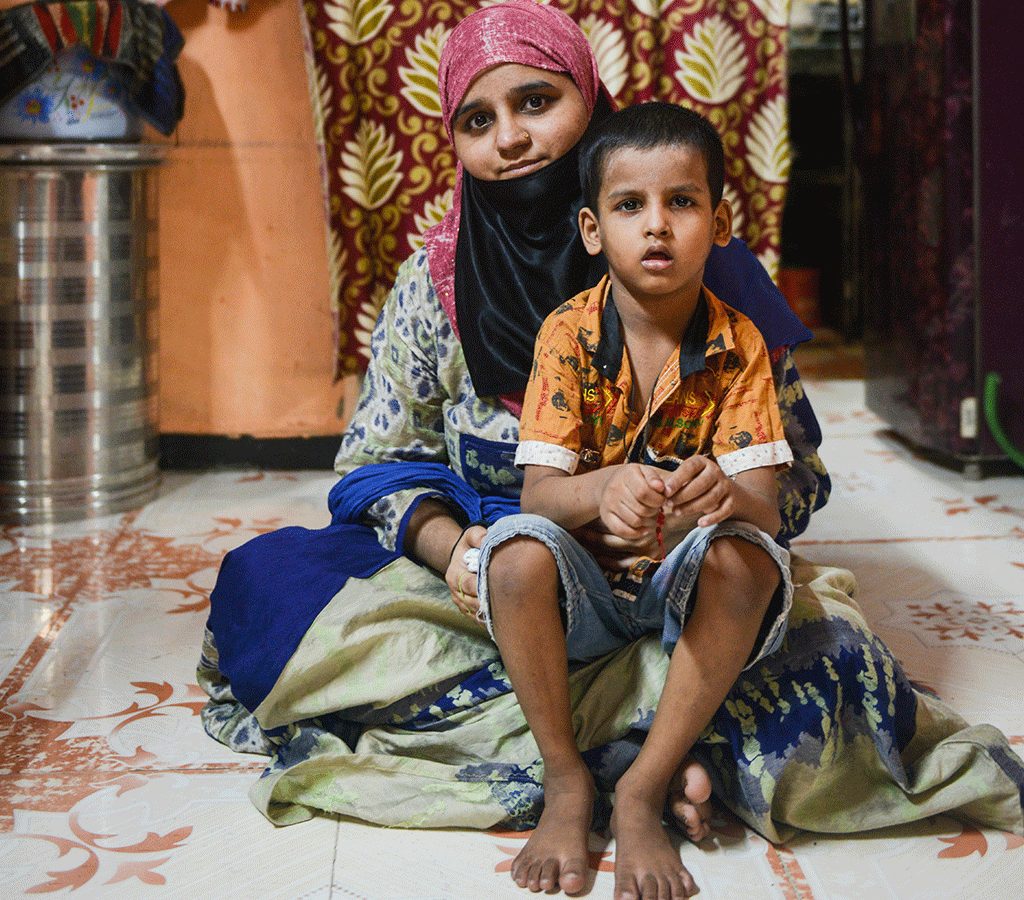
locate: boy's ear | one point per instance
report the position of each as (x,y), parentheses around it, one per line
(723,222)
(590,230)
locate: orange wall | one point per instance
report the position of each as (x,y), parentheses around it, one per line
(245,321)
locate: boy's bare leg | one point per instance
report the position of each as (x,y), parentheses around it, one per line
(523,585)
(734,591)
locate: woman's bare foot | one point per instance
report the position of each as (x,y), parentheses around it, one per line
(555,856)
(689,799)
(646,863)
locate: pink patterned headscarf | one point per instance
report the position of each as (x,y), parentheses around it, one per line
(517,31)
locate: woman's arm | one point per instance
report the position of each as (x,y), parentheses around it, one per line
(431,535)
(734,274)
(399,416)
(434,538)
(804,486)
(737,277)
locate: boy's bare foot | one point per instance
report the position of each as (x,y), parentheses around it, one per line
(555,856)
(646,863)
(689,799)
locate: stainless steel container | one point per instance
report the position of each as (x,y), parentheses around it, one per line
(78,330)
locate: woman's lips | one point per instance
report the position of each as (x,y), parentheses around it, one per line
(522,168)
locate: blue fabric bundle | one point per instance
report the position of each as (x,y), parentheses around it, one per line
(271,588)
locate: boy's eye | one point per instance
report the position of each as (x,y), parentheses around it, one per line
(629,205)
(682,201)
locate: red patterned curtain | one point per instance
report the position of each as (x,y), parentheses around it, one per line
(388,167)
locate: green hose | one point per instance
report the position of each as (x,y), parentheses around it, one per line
(991,403)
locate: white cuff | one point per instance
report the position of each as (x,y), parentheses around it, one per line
(755,456)
(540,453)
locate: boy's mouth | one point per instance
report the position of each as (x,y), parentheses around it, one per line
(656,259)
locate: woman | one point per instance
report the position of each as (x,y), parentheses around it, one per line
(351,654)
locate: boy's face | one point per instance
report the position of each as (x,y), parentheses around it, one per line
(655,221)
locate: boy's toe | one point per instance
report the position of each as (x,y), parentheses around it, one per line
(683,885)
(549,874)
(626,889)
(520,871)
(573,876)
(533,880)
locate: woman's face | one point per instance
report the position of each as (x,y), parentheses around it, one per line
(517,119)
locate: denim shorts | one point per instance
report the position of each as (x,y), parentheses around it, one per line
(598,622)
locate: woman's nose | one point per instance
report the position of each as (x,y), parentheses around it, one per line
(511,135)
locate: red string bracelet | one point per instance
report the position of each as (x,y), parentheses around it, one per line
(660,534)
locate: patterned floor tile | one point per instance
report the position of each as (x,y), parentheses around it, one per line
(116,691)
(58,562)
(952,611)
(937,858)
(378,864)
(246,500)
(839,405)
(881,491)
(111,618)
(24,617)
(155,835)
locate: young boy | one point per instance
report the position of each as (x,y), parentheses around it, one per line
(651,429)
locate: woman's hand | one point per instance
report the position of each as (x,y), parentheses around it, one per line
(461,581)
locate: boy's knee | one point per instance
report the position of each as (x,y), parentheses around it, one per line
(745,573)
(520,566)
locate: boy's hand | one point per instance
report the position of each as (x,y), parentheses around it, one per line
(616,554)
(698,491)
(461,582)
(631,500)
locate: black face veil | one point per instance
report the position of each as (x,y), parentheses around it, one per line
(519,255)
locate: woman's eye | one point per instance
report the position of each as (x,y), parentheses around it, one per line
(535,102)
(477,121)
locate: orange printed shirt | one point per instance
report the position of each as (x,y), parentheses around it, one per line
(715,396)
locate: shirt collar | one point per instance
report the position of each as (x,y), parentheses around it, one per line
(708,333)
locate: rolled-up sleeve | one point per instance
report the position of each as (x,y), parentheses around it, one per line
(549,429)
(748,427)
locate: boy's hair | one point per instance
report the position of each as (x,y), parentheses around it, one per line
(644,127)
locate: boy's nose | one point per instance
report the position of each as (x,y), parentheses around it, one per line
(656,224)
